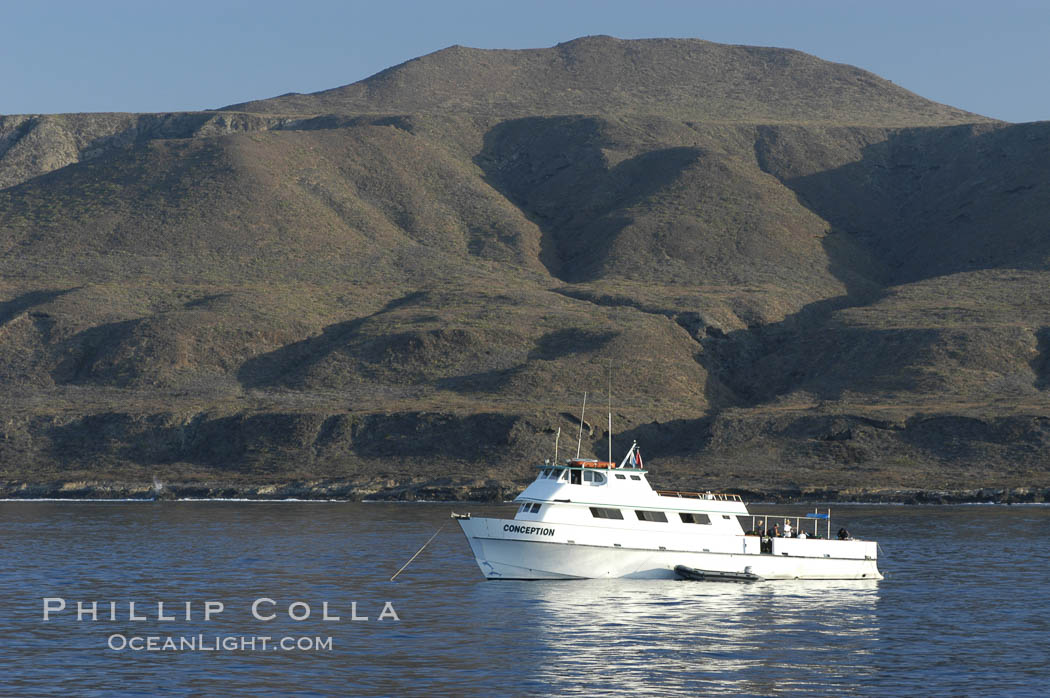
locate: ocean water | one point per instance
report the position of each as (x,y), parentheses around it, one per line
(963,609)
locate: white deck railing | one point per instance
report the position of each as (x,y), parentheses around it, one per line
(701,495)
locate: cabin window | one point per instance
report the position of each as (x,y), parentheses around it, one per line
(590,476)
(635,477)
(620,477)
(535,508)
(564,475)
(523,508)
(574,477)
(657,516)
(601,513)
(695,518)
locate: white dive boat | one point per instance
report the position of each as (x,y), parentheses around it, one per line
(596,519)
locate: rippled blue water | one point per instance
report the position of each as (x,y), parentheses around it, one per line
(962,610)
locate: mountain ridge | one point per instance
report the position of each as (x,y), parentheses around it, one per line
(685,78)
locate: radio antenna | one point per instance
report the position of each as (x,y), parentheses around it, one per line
(610,410)
(579,442)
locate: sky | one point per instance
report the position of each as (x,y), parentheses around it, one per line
(149,56)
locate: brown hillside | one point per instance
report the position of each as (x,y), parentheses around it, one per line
(797,276)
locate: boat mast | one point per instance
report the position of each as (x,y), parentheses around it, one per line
(609,392)
(556,437)
(579,442)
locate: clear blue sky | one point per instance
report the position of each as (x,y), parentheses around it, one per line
(989,57)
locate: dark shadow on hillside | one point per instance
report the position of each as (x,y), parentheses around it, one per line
(561,343)
(732,360)
(16,306)
(763,363)
(15,136)
(554,171)
(552,346)
(276,442)
(958,437)
(94,356)
(205,301)
(330,122)
(1041,363)
(677,437)
(290,364)
(481,382)
(928,202)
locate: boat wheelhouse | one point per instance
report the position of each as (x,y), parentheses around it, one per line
(596,519)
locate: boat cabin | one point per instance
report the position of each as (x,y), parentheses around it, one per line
(584,491)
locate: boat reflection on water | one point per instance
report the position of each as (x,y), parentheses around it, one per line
(764,637)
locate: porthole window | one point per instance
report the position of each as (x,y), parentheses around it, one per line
(620,477)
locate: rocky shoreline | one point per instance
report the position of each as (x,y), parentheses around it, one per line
(489,491)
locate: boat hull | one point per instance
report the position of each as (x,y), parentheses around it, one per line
(505,549)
